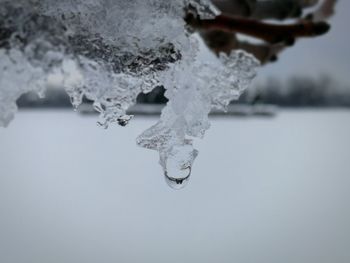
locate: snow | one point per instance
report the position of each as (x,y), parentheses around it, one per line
(70,192)
(110,51)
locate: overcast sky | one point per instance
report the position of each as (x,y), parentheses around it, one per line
(326,54)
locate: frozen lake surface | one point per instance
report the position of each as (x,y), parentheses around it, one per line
(262,190)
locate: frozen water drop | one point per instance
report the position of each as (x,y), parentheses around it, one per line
(180,180)
(178,163)
(97,107)
(124,120)
(75,103)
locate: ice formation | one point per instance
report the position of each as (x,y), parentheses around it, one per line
(110,51)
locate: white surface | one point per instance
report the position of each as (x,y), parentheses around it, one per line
(262,190)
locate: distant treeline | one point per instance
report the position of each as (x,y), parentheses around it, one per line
(300,91)
(297,91)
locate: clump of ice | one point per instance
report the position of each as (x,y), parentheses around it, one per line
(191,98)
(109,51)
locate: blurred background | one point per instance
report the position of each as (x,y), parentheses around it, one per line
(270,184)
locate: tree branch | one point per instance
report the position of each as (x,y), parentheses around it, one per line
(271,33)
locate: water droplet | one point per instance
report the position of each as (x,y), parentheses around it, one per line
(97,106)
(177,164)
(75,107)
(179,180)
(76,97)
(124,120)
(75,103)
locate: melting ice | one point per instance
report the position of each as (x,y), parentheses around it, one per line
(109,51)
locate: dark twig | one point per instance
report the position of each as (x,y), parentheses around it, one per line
(271,33)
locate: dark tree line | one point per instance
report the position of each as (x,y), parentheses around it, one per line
(302,91)
(298,91)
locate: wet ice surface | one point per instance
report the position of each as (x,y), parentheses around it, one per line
(72,193)
(111,51)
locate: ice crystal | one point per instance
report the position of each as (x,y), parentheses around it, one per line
(109,51)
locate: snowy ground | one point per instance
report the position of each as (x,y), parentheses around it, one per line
(263,190)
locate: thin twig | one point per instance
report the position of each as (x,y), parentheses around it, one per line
(271,33)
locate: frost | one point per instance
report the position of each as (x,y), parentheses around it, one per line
(109,51)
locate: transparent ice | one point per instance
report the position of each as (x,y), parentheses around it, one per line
(109,51)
